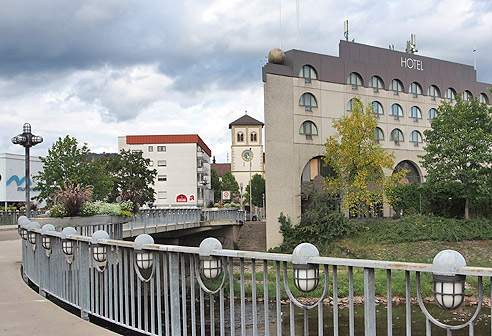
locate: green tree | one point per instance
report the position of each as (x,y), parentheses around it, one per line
(132,178)
(216,185)
(229,183)
(68,162)
(258,186)
(458,149)
(358,161)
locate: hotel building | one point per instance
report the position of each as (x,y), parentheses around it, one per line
(305,92)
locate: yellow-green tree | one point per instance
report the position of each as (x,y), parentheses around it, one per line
(358,161)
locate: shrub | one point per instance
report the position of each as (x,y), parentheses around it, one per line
(73,197)
(111,209)
(89,209)
(319,225)
(126,206)
(57,211)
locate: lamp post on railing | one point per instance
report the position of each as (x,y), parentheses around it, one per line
(306,275)
(67,244)
(22,222)
(449,288)
(210,266)
(28,140)
(31,235)
(99,251)
(45,238)
(144,260)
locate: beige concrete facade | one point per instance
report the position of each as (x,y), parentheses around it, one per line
(288,151)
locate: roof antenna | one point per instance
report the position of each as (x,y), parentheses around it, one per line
(297,14)
(475,57)
(280,11)
(346,31)
(411,45)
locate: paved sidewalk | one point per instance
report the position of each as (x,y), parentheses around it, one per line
(8,227)
(25,312)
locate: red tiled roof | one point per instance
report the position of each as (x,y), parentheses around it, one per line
(167,139)
(221,168)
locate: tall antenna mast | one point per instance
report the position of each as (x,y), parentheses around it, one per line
(297,14)
(475,57)
(345,30)
(280,11)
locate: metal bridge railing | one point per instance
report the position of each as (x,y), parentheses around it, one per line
(166,219)
(174,290)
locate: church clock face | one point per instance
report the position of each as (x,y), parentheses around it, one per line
(247,155)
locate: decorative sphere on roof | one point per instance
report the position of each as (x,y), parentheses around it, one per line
(276,56)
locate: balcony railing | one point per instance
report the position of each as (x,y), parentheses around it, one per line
(174,290)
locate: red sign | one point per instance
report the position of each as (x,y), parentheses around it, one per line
(181,198)
(192,198)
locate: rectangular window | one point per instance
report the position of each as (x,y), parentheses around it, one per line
(161,148)
(162,194)
(151,148)
(161,163)
(136,151)
(161,177)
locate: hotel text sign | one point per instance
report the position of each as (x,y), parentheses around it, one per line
(411,63)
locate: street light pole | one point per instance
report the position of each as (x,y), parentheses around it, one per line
(28,140)
(250,187)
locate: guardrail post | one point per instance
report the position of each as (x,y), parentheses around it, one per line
(84,281)
(369,302)
(174,294)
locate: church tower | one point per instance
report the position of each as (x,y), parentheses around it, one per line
(246,149)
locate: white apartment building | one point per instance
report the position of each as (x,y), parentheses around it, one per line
(183,167)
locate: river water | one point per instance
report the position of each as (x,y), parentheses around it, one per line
(460,316)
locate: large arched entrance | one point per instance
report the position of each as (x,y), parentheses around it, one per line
(413,175)
(312,181)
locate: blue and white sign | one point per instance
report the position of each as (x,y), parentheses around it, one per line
(13,179)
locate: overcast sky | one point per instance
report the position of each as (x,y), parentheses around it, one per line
(97,69)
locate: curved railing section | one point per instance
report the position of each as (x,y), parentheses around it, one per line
(173,290)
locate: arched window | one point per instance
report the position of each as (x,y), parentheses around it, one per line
(483,98)
(376,83)
(450,95)
(308,101)
(377,108)
(309,129)
(396,136)
(253,137)
(467,95)
(396,86)
(415,113)
(415,89)
(434,92)
(378,134)
(416,138)
(351,103)
(240,137)
(431,114)
(354,79)
(396,111)
(308,72)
